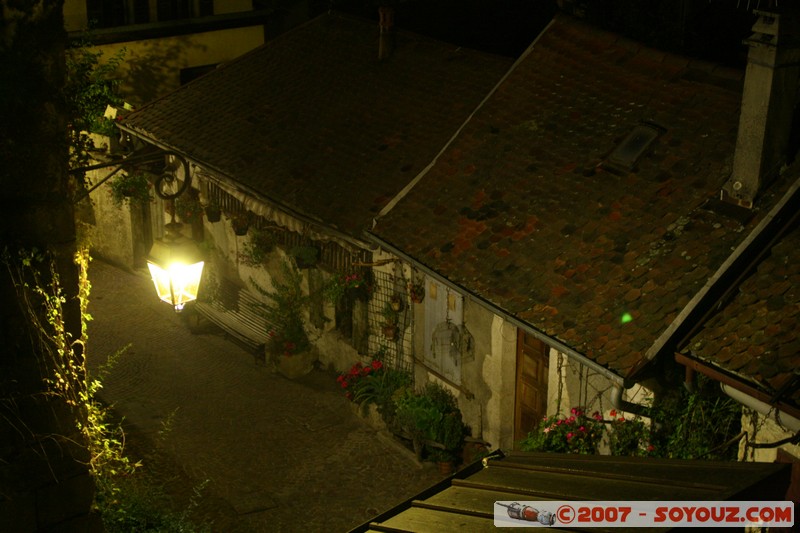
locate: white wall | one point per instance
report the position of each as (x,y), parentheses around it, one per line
(761,429)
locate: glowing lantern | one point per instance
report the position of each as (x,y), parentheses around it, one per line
(175,265)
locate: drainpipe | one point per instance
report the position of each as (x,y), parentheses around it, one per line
(623,405)
(780,417)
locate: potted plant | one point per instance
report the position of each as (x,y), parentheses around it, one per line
(133,187)
(188,208)
(340,285)
(240,222)
(256,250)
(397,303)
(416,291)
(432,418)
(213,211)
(289,346)
(390,320)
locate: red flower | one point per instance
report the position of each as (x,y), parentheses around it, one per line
(377,365)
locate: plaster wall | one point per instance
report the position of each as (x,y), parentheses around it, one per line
(572,384)
(151,67)
(761,429)
(108,228)
(76,17)
(498,371)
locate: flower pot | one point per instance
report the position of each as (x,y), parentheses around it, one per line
(357,293)
(296,365)
(416,293)
(213,214)
(396,304)
(389,331)
(240,228)
(445,467)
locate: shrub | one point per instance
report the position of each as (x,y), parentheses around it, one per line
(629,436)
(576,433)
(285,313)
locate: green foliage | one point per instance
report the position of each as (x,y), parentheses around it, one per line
(629,436)
(124,501)
(341,284)
(305,256)
(188,208)
(136,505)
(285,313)
(258,247)
(133,187)
(375,383)
(90,88)
(576,433)
(698,424)
(686,425)
(432,416)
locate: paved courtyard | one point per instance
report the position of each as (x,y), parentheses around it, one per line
(275,454)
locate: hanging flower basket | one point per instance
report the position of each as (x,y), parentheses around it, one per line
(305,256)
(416,291)
(240,223)
(396,303)
(390,331)
(213,213)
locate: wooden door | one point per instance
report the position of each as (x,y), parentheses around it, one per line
(530,403)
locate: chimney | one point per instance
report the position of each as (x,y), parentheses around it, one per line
(386,25)
(768,99)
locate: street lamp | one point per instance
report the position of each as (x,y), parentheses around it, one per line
(176,265)
(175,262)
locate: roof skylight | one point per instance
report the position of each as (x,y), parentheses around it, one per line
(628,152)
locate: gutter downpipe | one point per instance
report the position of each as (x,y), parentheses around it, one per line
(782,418)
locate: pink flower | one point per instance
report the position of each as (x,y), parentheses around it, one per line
(581,428)
(569,436)
(547,430)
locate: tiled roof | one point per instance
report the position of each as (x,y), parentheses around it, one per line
(756,336)
(517,211)
(314,121)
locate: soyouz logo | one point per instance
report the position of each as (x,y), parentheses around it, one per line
(644,514)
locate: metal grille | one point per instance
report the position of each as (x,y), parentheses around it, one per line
(397,352)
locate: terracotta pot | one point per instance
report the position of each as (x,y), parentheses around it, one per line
(390,331)
(240,228)
(296,365)
(445,467)
(213,214)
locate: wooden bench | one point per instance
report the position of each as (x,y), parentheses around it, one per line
(238,312)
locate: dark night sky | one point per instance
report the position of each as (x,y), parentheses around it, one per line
(707,29)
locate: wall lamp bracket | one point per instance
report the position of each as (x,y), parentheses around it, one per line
(167,176)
